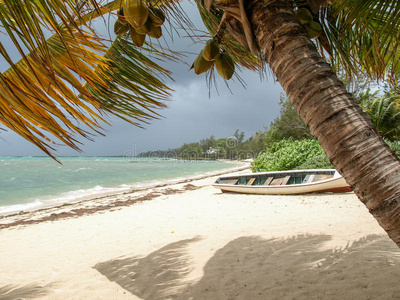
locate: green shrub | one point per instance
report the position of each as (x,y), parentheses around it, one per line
(316,162)
(394,146)
(289,155)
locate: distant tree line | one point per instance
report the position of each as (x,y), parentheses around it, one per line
(234,147)
(211,148)
(287,129)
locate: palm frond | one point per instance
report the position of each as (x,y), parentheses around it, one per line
(384,112)
(70,80)
(133,86)
(364,37)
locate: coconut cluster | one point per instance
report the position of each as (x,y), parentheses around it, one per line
(211,54)
(137,18)
(306,19)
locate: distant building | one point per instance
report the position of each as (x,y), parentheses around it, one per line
(212,151)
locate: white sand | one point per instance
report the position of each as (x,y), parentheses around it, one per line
(200,244)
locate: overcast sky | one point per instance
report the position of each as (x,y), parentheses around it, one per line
(191,115)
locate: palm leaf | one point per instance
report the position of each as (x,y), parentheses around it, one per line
(385,113)
(72,78)
(363,37)
(133,88)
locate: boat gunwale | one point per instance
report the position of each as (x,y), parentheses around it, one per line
(278,186)
(325,185)
(260,174)
(282,173)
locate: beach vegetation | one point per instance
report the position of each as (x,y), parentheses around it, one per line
(69,78)
(394,146)
(288,125)
(384,112)
(235,147)
(289,154)
(316,162)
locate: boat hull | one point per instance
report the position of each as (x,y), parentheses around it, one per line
(336,184)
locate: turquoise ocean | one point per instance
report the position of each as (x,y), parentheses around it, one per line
(32,182)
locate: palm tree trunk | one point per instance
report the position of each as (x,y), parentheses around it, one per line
(343,130)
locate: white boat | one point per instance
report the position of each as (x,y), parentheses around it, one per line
(284,182)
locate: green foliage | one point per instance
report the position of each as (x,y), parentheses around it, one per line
(394,146)
(360,88)
(316,162)
(234,147)
(358,37)
(191,151)
(256,143)
(288,124)
(384,112)
(383,108)
(211,148)
(288,155)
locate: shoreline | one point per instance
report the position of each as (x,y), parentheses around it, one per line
(74,182)
(102,201)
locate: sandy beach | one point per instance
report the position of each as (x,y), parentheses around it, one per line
(190,241)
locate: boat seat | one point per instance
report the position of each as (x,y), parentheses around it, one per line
(285,180)
(277,181)
(251,181)
(321,177)
(280,181)
(268,181)
(310,178)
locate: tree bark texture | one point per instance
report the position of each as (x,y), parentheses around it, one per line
(345,133)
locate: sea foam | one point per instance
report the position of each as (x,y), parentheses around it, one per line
(29,183)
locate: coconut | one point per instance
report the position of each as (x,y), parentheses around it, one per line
(136,12)
(155,32)
(121,17)
(225,65)
(137,39)
(201,65)
(314,29)
(120,28)
(304,15)
(211,50)
(145,28)
(156,16)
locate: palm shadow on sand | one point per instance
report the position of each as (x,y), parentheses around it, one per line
(30,291)
(253,268)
